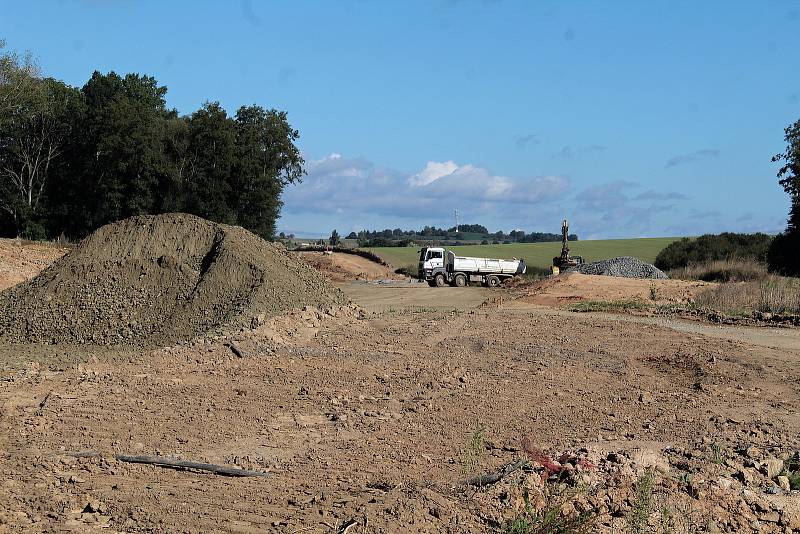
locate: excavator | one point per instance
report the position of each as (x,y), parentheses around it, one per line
(565,261)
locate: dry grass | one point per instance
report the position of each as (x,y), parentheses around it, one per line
(728,270)
(774,294)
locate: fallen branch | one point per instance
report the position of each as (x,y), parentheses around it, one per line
(185,464)
(235,349)
(491,478)
(160,461)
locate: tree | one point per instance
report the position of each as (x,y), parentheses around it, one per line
(334,239)
(267,160)
(18,74)
(352,235)
(784,252)
(35,127)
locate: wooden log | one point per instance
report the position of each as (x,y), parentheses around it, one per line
(186,464)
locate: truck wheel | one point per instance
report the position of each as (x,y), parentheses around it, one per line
(493,281)
(439,280)
(460,280)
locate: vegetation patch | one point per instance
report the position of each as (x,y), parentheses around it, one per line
(772,294)
(705,248)
(726,270)
(608,306)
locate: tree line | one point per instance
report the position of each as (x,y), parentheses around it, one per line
(73,159)
(478,231)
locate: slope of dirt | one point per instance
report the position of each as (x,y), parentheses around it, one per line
(574,287)
(20,261)
(370,421)
(342,267)
(155,279)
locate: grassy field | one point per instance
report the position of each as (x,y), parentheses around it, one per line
(540,254)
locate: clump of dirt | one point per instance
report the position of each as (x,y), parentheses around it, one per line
(160,279)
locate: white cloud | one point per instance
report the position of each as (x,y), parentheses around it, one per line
(432,172)
(358,186)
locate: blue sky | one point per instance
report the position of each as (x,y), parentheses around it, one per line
(630,118)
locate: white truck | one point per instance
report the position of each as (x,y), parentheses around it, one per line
(440,267)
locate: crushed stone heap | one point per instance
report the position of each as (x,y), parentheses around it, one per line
(160,279)
(625,266)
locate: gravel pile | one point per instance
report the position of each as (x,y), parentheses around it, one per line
(160,279)
(625,267)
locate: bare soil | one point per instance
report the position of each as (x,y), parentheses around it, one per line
(20,261)
(575,287)
(364,415)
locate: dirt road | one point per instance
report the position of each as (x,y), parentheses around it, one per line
(368,418)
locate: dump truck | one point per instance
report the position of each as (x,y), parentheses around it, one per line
(440,267)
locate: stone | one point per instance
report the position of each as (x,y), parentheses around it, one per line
(744,476)
(772,467)
(783,483)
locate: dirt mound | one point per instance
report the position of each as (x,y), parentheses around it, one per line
(160,279)
(342,267)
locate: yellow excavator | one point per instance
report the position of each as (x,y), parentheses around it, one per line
(565,261)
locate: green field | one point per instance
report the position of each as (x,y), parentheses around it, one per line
(540,254)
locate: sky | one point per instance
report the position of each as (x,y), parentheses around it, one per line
(629,118)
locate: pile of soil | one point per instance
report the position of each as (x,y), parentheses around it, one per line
(343,267)
(160,279)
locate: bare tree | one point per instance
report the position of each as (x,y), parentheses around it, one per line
(33,131)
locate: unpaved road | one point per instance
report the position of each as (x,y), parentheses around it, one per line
(366,418)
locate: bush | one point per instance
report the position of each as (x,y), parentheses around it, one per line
(713,247)
(729,270)
(783,256)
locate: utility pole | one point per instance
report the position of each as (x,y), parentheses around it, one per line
(455,215)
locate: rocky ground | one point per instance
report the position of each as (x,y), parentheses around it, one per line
(378,418)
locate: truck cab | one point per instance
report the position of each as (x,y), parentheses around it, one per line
(431,261)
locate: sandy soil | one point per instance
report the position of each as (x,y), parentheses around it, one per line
(364,417)
(342,267)
(20,261)
(574,287)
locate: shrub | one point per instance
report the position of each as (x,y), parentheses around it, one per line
(728,270)
(783,256)
(713,247)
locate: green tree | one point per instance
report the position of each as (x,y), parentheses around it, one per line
(784,253)
(118,159)
(334,239)
(211,155)
(267,160)
(35,128)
